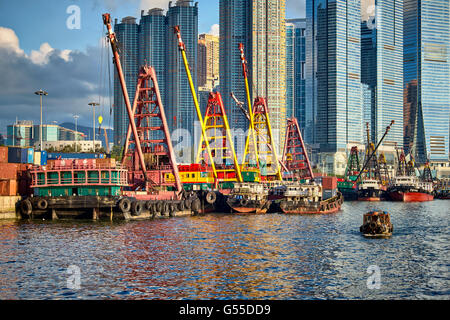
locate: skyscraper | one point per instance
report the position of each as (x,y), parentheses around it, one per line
(127,36)
(152,51)
(260,26)
(389,91)
(234,22)
(208,61)
(290,70)
(298,62)
(426,67)
(381,68)
(180,107)
(333,75)
(268,61)
(152,45)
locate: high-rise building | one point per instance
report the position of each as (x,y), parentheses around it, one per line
(260,26)
(290,70)
(381,68)
(152,45)
(426,67)
(234,19)
(127,36)
(20,134)
(180,109)
(389,89)
(298,61)
(268,61)
(208,61)
(152,51)
(333,75)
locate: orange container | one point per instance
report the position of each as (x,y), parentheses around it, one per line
(3,154)
(8,171)
(8,188)
(329,183)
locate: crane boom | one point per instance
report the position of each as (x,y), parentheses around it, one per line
(250,109)
(117,63)
(375,150)
(182,49)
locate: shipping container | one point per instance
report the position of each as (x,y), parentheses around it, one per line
(37,158)
(44,158)
(14,154)
(329,183)
(8,188)
(8,171)
(327,194)
(58,155)
(3,154)
(30,155)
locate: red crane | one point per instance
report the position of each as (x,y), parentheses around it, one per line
(146,106)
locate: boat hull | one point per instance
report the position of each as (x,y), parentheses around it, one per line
(330,206)
(251,207)
(410,196)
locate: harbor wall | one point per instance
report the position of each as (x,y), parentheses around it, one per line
(8,207)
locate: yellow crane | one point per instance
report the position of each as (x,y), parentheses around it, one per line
(260,129)
(182,48)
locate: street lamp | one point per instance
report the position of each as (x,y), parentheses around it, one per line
(93,105)
(76,131)
(41,93)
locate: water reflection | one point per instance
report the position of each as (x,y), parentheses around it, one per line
(224,256)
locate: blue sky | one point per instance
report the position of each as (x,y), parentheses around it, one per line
(38,50)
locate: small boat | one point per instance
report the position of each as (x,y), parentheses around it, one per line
(249,198)
(377,224)
(410,189)
(442,190)
(370,190)
(306,198)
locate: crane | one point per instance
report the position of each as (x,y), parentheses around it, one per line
(147,93)
(182,48)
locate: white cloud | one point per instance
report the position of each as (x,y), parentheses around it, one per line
(150,4)
(214,30)
(9,40)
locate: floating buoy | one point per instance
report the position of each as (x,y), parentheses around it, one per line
(377,224)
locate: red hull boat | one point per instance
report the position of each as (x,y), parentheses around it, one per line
(411,196)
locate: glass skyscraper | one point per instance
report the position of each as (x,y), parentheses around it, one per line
(152,45)
(153,42)
(426,68)
(260,26)
(180,108)
(333,74)
(234,29)
(381,68)
(290,69)
(127,36)
(389,90)
(297,59)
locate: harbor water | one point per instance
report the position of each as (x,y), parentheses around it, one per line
(219,256)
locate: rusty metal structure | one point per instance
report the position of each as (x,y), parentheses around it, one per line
(260,143)
(218,133)
(295,157)
(353,165)
(147,159)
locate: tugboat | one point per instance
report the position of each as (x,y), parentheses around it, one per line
(306,198)
(369,190)
(370,183)
(442,190)
(410,189)
(248,198)
(377,225)
(407,187)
